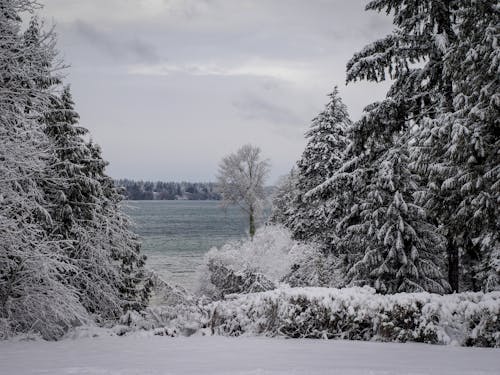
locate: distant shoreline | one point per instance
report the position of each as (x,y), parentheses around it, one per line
(134,190)
(168,191)
(180,200)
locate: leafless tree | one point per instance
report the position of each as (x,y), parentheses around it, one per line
(240,181)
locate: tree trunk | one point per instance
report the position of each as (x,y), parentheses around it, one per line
(453,266)
(252,224)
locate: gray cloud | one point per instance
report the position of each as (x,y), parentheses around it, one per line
(237,72)
(252,107)
(112,45)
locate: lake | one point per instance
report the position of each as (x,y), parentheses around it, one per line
(176,235)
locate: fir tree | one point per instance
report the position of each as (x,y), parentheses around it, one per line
(32,265)
(442,57)
(87,216)
(413,57)
(285,195)
(134,282)
(458,150)
(401,250)
(322,157)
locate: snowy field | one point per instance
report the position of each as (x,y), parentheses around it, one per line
(240,356)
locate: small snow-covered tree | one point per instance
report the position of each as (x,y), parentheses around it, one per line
(240,181)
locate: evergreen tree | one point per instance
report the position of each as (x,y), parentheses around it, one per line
(32,294)
(66,250)
(418,91)
(283,199)
(134,282)
(322,157)
(87,216)
(443,59)
(400,249)
(458,149)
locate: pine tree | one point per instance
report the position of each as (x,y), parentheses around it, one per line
(458,149)
(413,57)
(401,250)
(32,294)
(84,205)
(443,59)
(134,282)
(283,199)
(66,249)
(322,157)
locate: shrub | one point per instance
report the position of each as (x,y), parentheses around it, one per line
(468,319)
(272,257)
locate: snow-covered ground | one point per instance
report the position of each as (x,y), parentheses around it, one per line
(155,355)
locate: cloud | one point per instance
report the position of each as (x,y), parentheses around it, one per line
(296,73)
(179,81)
(135,49)
(252,107)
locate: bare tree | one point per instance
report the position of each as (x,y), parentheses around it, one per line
(240,181)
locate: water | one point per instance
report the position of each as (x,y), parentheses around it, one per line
(176,234)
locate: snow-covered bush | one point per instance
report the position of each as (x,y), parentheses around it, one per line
(172,312)
(468,319)
(272,257)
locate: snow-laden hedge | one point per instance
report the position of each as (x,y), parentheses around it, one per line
(468,319)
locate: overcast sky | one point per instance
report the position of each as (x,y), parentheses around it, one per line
(168,87)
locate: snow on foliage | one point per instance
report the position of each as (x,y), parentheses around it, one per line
(467,319)
(33,295)
(67,255)
(310,217)
(173,312)
(259,264)
(443,58)
(240,181)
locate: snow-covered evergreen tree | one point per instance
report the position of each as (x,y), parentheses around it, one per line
(443,59)
(134,282)
(314,218)
(412,56)
(284,198)
(458,149)
(33,296)
(325,143)
(400,249)
(85,207)
(66,249)
(42,56)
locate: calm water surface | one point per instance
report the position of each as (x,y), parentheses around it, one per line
(176,234)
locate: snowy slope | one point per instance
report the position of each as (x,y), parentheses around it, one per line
(155,355)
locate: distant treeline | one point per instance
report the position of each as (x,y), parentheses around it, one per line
(149,190)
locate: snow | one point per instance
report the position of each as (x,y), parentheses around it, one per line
(271,254)
(208,355)
(359,313)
